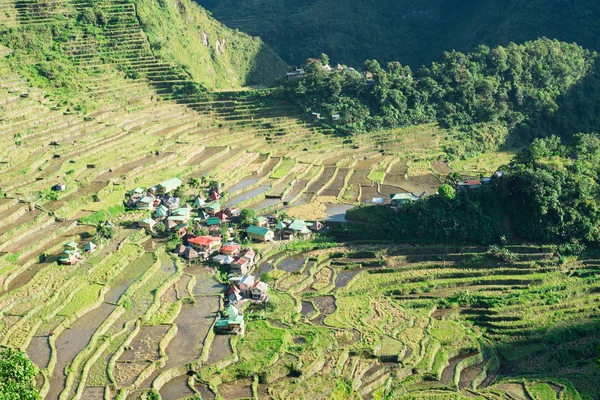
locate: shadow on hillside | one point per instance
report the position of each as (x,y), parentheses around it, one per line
(563,353)
(578,112)
(266,67)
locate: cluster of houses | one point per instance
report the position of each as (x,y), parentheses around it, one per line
(71,255)
(400,199)
(247,287)
(472,184)
(286,229)
(176,217)
(242,289)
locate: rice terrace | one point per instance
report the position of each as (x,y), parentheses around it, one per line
(180,219)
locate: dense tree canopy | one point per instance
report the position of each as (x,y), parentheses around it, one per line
(482,95)
(550,193)
(17,375)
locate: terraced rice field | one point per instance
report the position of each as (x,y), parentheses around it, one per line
(395,326)
(131,318)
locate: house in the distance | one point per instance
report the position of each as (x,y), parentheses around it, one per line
(205,244)
(212,209)
(400,199)
(261,221)
(70,254)
(188,252)
(232,321)
(250,288)
(90,247)
(231,249)
(145,203)
(148,224)
(60,187)
(244,262)
(260,234)
(166,187)
(298,73)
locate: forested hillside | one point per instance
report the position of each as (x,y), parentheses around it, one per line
(487,98)
(548,193)
(413,33)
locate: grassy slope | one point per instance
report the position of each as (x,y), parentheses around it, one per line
(411,32)
(186,34)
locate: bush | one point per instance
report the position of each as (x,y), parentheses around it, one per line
(17,374)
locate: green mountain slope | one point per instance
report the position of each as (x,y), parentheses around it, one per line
(412,32)
(70,47)
(212,54)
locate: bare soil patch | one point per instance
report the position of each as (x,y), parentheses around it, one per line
(144,346)
(240,389)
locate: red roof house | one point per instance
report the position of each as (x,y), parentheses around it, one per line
(205,243)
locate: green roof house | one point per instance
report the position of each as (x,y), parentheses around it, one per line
(261,221)
(232,321)
(213,209)
(162,211)
(400,199)
(213,221)
(148,224)
(259,233)
(183,211)
(199,202)
(280,225)
(89,247)
(70,246)
(299,226)
(166,186)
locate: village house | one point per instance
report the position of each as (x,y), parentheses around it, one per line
(316,226)
(70,254)
(221,215)
(212,209)
(223,259)
(188,252)
(136,193)
(240,266)
(260,234)
(261,221)
(232,212)
(172,203)
(182,212)
(205,244)
(214,195)
(298,73)
(249,288)
(166,186)
(90,247)
(244,262)
(180,229)
(200,201)
(213,221)
(148,224)
(231,249)
(60,187)
(232,321)
(145,203)
(233,295)
(400,199)
(473,184)
(215,231)
(161,212)
(300,227)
